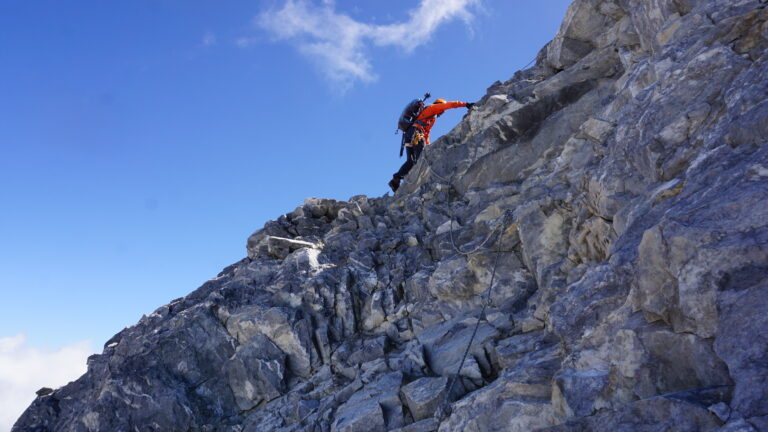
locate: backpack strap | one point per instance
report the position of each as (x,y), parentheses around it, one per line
(421,123)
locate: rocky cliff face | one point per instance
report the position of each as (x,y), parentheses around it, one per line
(614,195)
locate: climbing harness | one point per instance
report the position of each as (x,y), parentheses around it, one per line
(417,137)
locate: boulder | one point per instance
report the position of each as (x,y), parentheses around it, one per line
(423,396)
(256,372)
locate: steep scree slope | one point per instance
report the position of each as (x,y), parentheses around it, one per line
(621,183)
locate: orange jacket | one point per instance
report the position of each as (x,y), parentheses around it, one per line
(427,118)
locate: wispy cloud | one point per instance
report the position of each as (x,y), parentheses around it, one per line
(209,39)
(245,42)
(340,45)
(24,370)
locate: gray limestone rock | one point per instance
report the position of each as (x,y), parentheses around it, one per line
(739,425)
(615,192)
(280,247)
(428,425)
(284,327)
(423,396)
(375,407)
(366,416)
(655,414)
(256,372)
(445,345)
(742,344)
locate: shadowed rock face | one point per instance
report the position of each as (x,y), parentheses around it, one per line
(615,193)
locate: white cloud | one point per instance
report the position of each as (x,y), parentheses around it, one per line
(209,39)
(24,370)
(339,44)
(423,22)
(245,42)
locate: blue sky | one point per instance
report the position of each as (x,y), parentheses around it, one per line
(143,141)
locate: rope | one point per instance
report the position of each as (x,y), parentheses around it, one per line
(480,246)
(434,173)
(442,408)
(453,213)
(449,182)
(529,63)
(487,295)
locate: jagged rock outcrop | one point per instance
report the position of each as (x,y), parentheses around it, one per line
(615,194)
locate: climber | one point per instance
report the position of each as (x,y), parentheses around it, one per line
(417,136)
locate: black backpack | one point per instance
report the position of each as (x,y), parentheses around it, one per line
(409,116)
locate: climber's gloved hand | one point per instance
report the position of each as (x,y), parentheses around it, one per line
(470,105)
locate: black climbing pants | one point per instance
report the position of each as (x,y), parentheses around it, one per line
(412,155)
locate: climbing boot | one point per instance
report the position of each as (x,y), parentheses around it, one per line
(394,183)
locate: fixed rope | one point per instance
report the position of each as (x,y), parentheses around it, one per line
(449,182)
(442,411)
(476,249)
(529,63)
